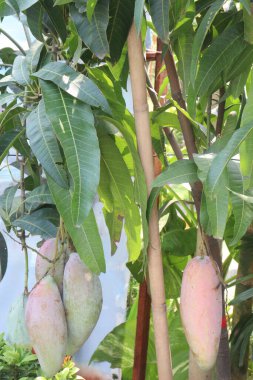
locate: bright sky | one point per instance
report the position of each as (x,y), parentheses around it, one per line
(14,27)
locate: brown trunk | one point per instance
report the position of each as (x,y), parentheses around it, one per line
(243,309)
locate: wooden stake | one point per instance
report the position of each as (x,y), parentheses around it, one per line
(155,266)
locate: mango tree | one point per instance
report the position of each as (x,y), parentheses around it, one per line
(65,117)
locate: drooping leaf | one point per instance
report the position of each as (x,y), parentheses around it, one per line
(56,17)
(138,14)
(242,210)
(179,242)
(6,199)
(86,238)
(201,34)
(93,33)
(179,172)
(20,71)
(126,127)
(44,144)
(121,17)
(7,140)
(33,56)
(248,24)
(114,222)
(183,49)
(217,206)
(73,124)
(225,48)
(159,11)
(36,226)
(6,98)
(38,197)
(246,148)
(121,188)
(242,297)
(90,7)
(221,160)
(34,16)
(74,83)
(24,4)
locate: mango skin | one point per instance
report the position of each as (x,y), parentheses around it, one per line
(17,331)
(201,310)
(42,266)
(82,298)
(46,325)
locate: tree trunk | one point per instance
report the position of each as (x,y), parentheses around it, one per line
(243,309)
(155,265)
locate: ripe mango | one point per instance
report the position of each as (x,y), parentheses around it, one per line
(46,325)
(42,266)
(16,329)
(82,298)
(201,309)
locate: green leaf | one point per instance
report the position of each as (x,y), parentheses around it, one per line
(246,148)
(93,33)
(121,189)
(5,10)
(242,297)
(24,4)
(6,199)
(138,14)
(242,210)
(20,71)
(33,56)
(217,206)
(36,226)
(248,24)
(183,49)
(224,49)
(126,128)
(179,242)
(73,123)
(38,197)
(34,17)
(120,20)
(6,98)
(114,222)
(44,144)
(74,83)
(62,2)
(7,140)
(86,238)
(56,17)
(159,11)
(201,35)
(221,160)
(179,172)
(90,7)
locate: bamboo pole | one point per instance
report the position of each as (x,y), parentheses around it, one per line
(155,267)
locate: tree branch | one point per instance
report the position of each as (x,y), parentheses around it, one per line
(168,132)
(13,41)
(177,95)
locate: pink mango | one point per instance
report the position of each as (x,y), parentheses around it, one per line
(46,325)
(42,266)
(82,298)
(201,309)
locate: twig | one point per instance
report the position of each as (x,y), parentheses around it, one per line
(31,248)
(168,132)
(176,93)
(13,41)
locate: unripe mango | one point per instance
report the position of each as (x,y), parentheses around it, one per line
(201,309)
(42,266)
(46,325)
(82,298)
(17,331)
